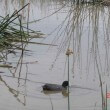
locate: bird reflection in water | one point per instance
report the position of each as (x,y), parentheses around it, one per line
(63,92)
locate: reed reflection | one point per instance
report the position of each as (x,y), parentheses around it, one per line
(13,44)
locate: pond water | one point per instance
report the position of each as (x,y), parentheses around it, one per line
(83,28)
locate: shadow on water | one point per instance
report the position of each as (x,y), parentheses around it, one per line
(64,93)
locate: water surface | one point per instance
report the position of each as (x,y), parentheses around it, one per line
(84,29)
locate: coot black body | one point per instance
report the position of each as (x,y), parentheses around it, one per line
(55,87)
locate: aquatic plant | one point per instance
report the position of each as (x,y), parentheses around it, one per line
(12,34)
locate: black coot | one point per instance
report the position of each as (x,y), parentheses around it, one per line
(55,87)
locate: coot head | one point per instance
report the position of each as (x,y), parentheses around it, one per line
(65,84)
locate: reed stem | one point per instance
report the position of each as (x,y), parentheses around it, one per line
(68,87)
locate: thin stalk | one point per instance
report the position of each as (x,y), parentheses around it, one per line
(102,96)
(68,87)
(100,79)
(51,102)
(106,97)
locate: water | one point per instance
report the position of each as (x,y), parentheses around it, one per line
(85,29)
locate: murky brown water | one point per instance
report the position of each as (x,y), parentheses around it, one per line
(85,29)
